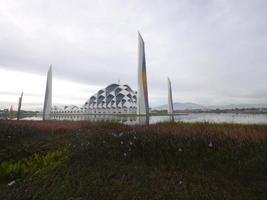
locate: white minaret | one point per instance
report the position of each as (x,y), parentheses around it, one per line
(170,103)
(48,94)
(142,96)
(19,106)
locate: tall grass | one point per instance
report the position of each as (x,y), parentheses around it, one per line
(35,165)
(113,161)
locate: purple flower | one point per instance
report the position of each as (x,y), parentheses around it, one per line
(125,154)
(210,145)
(114,135)
(121,142)
(121,134)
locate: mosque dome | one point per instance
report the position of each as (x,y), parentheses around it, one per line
(115,97)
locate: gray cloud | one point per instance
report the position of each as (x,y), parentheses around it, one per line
(214,51)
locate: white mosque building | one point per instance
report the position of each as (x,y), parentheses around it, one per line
(113,99)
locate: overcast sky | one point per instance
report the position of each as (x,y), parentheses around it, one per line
(214,51)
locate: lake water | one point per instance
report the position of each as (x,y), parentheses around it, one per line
(192,117)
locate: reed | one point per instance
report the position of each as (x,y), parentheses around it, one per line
(81,160)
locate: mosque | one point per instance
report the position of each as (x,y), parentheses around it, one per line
(113,99)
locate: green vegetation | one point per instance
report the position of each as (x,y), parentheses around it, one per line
(35,165)
(79,160)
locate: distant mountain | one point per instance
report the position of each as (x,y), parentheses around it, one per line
(194,106)
(182,106)
(239,106)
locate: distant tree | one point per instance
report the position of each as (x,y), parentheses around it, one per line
(10,113)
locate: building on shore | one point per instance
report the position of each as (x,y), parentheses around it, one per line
(67,109)
(113,99)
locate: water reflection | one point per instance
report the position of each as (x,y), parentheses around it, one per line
(144,120)
(131,120)
(171,118)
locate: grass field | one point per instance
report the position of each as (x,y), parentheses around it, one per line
(79,160)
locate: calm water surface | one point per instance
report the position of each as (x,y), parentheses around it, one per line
(193,117)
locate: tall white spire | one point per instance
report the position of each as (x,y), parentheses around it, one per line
(142,95)
(48,94)
(170,103)
(19,106)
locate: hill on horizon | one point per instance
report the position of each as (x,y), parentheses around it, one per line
(195,106)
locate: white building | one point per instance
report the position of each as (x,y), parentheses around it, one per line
(114,99)
(68,109)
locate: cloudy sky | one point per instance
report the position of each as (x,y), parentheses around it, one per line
(214,51)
